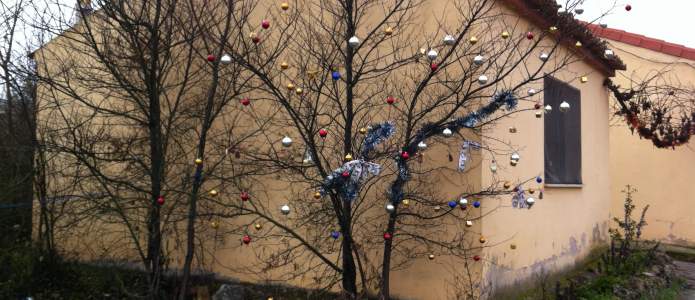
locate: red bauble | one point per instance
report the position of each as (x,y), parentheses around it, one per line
(160,200)
(387,236)
(434,67)
(405,155)
(390,100)
(265,24)
(245,196)
(529,35)
(537,105)
(323,133)
(246,239)
(628,7)
(346,174)
(211,58)
(476,258)
(463,207)
(245,101)
(256,39)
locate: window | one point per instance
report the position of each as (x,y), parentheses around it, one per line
(563,134)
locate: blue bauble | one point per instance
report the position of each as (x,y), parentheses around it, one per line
(452,204)
(539,179)
(335,75)
(476,204)
(335,234)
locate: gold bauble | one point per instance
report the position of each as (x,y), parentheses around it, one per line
(348,157)
(290,86)
(388,30)
(531,190)
(317,195)
(512,246)
(406,202)
(214,225)
(363,130)
(198,161)
(431,256)
(584,79)
(299,91)
(437,208)
(507,184)
(252,35)
(505,35)
(473,40)
(258,226)
(213,193)
(284,5)
(482,240)
(578,44)
(553,29)
(284,65)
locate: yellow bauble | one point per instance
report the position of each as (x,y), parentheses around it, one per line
(213,193)
(198,161)
(507,184)
(473,40)
(512,246)
(348,157)
(284,5)
(363,130)
(388,30)
(258,226)
(406,202)
(214,225)
(284,65)
(578,44)
(290,86)
(531,190)
(431,256)
(317,195)
(553,29)
(505,35)
(482,240)
(437,208)
(584,79)
(299,91)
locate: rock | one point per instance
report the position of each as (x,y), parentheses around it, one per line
(229,292)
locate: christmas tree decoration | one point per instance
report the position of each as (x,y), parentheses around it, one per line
(285,209)
(160,200)
(476,257)
(299,91)
(348,157)
(432,54)
(286,141)
(578,44)
(434,66)
(564,106)
(628,7)
(465,153)
(421,146)
(529,35)
(473,40)
(548,109)
(476,204)
(387,236)
(285,5)
(539,114)
(284,65)
(290,86)
(544,56)
(258,226)
(226,59)
(265,24)
(505,35)
(214,225)
(211,58)
(345,174)
(335,234)
(469,223)
(255,38)
(452,204)
(245,101)
(531,191)
(507,185)
(354,42)
(493,166)
(463,201)
(552,29)
(198,161)
(449,40)
(335,75)
(512,246)
(514,159)
(608,53)
(530,201)
(317,195)
(323,133)
(531,92)
(603,25)
(363,130)
(431,256)
(512,129)
(405,203)
(437,208)
(579,10)
(447,132)
(390,100)
(539,179)
(246,239)
(405,155)
(388,31)
(213,193)
(478,59)
(390,208)
(482,240)
(482,79)
(245,196)
(584,79)
(377,134)
(537,105)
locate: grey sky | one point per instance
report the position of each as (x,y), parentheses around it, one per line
(669,20)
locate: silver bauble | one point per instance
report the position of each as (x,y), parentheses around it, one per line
(530,201)
(422,146)
(478,59)
(482,79)
(463,201)
(390,208)
(226,59)
(285,209)
(532,92)
(447,132)
(544,56)
(564,106)
(548,109)
(287,141)
(449,40)
(354,42)
(432,54)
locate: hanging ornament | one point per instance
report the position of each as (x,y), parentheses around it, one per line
(537,105)
(317,195)
(478,59)
(213,193)
(584,79)
(437,208)
(507,185)
(387,236)
(628,7)
(363,130)
(323,132)
(473,40)
(514,159)
(345,174)
(290,86)
(284,65)
(299,91)
(482,240)
(482,79)
(579,10)
(469,223)
(432,54)
(405,155)
(531,191)
(493,167)
(284,5)
(211,58)
(335,75)
(531,92)
(463,201)
(226,59)
(335,234)
(603,25)
(452,204)
(530,201)
(287,141)
(405,202)
(388,31)
(390,100)
(285,209)
(512,246)
(578,44)
(246,239)
(390,208)
(348,157)
(434,66)
(431,256)
(447,132)
(421,145)
(512,129)
(449,40)
(552,29)
(544,56)
(245,101)
(245,196)
(548,109)
(539,114)
(608,53)
(160,200)
(476,204)
(529,35)
(214,225)
(258,226)
(265,24)
(354,42)
(505,35)
(198,161)
(539,179)
(476,257)
(564,106)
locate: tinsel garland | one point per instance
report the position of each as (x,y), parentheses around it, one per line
(376,135)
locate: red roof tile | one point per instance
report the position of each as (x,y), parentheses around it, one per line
(643,41)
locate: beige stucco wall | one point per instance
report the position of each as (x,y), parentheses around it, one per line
(662,177)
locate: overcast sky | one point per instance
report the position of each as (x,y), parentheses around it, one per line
(669,20)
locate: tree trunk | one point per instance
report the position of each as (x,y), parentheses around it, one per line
(349,267)
(386,264)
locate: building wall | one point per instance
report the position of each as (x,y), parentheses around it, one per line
(662,177)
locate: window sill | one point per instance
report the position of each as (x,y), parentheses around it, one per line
(563,185)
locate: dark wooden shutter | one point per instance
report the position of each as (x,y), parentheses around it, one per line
(563,134)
